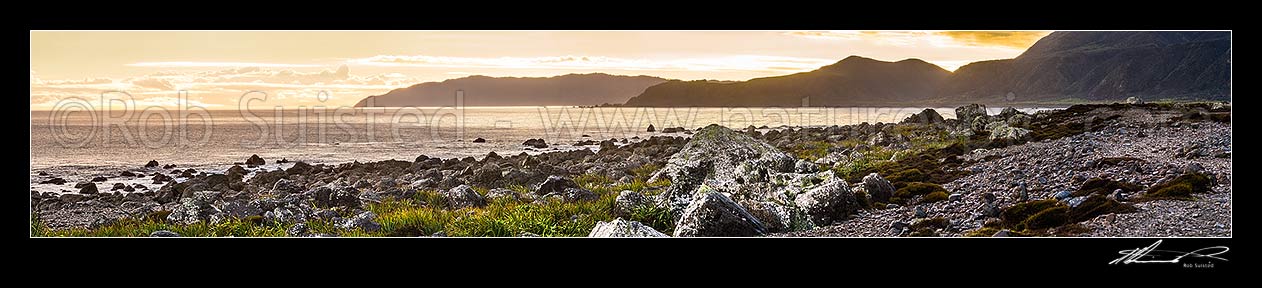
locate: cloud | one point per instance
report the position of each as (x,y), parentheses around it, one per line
(1014,39)
(602,63)
(1005,39)
(223,87)
(153,83)
(193,64)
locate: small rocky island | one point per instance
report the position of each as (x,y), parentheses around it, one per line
(1144,170)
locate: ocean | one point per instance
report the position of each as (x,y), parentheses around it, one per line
(79,143)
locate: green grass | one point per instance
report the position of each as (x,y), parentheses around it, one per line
(811,150)
(142,228)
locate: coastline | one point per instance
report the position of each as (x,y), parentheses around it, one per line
(592,188)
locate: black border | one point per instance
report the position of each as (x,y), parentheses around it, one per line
(969,259)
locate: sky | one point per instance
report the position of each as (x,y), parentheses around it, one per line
(336,68)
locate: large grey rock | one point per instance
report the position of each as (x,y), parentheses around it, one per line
(967,114)
(298,230)
(1002,132)
(197,208)
(554,183)
(628,202)
(501,193)
(878,188)
(804,166)
(87,188)
(284,187)
(715,215)
(363,221)
(828,202)
(163,233)
(725,161)
(463,196)
(623,228)
(776,217)
(574,195)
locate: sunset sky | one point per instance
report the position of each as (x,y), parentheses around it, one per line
(293,67)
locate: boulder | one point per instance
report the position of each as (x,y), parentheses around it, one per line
(536,143)
(162,233)
(362,221)
(804,166)
(651,129)
(501,193)
(88,188)
(1000,131)
(151,164)
(479,140)
(628,202)
(776,217)
(299,168)
(879,189)
(255,160)
(1134,100)
(54,181)
(554,183)
(574,195)
(284,187)
(968,113)
(197,208)
(463,196)
(722,159)
(713,214)
(828,202)
(298,230)
(927,116)
(623,228)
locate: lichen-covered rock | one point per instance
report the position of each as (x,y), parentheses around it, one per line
(284,187)
(623,228)
(195,209)
(574,195)
(1002,132)
(715,215)
(723,160)
(463,196)
(776,217)
(363,221)
(967,114)
(554,183)
(628,202)
(501,193)
(878,188)
(828,202)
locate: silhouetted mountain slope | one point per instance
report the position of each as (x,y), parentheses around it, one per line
(851,81)
(1102,66)
(571,89)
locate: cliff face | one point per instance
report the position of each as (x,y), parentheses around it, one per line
(1103,66)
(851,81)
(565,90)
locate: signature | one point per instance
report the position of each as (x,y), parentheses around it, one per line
(1151,254)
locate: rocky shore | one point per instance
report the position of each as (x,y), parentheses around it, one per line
(1154,170)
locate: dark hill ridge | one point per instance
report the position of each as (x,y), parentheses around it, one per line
(570,89)
(1102,66)
(850,81)
(1075,66)
(1062,67)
